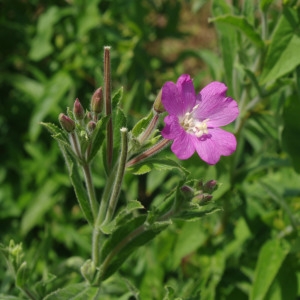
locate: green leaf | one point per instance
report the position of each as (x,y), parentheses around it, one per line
(98,137)
(77,183)
(283,53)
(160,164)
(194,212)
(41,43)
(228,43)
(7,297)
(264,4)
(189,238)
(285,286)
(56,88)
(72,165)
(141,125)
(291,130)
(41,203)
(124,215)
(128,237)
(61,137)
(270,259)
(57,133)
(240,23)
(79,291)
(117,97)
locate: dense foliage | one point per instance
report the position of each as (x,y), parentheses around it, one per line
(51,53)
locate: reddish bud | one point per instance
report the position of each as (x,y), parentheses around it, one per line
(202,199)
(66,123)
(210,186)
(97,101)
(78,110)
(91,126)
(187,191)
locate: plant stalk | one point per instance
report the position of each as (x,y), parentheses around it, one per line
(108,108)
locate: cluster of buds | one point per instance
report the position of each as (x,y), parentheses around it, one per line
(201,193)
(89,118)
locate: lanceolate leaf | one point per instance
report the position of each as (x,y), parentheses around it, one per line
(241,23)
(141,125)
(269,262)
(195,212)
(76,181)
(160,164)
(116,98)
(61,137)
(79,291)
(227,41)
(133,234)
(283,53)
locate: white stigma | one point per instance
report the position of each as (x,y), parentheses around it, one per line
(192,125)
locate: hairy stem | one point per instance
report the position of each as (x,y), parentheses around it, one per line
(108,108)
(110,197)
(149,152)
(119,177)
(90,189)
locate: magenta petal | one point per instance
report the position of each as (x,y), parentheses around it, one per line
(170,98)
(183,146)
(180,97)
(215,106)
(186,89)
(211,147)
(172,129)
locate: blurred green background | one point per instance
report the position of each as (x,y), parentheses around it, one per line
(51,53)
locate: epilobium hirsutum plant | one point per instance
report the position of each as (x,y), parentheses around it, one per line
(192,123)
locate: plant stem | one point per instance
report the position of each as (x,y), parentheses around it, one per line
(152,125)
(108,204)
(119,177)
(149,152)
(117,249)
(75,145)
(90,189)
(132,235)
(108,107)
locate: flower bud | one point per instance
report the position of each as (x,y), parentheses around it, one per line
(88,270)
(66,123)
(97,101)
(202,199)
(91,126)
(187,191)
(157,105)
(78,110)
(210,186)
(22,275)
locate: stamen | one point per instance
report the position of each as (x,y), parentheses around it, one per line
(192,125)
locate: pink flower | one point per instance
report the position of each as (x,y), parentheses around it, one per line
(194,120)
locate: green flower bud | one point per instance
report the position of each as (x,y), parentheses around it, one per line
(158,106)
(97,101)
(66,123)
(22,275)
(88,270)
(78,110)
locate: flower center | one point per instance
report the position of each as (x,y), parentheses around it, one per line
(193,126)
